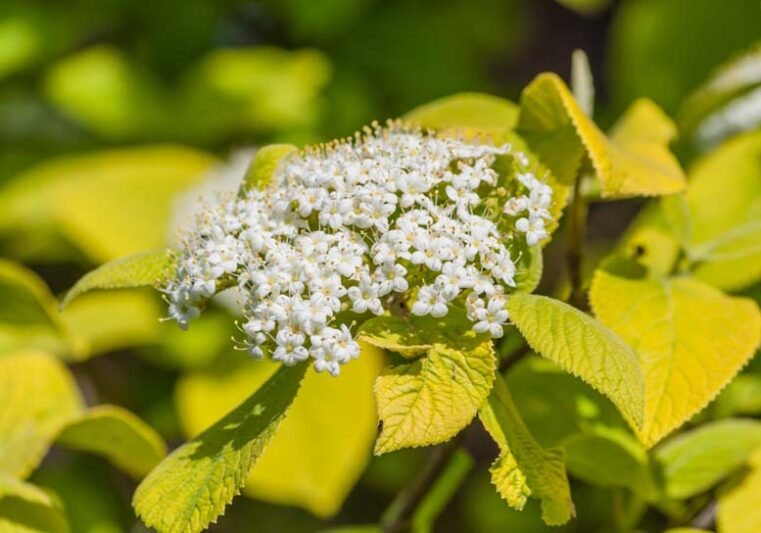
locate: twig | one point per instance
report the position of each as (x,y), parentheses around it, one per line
(508,362)
(576,233)
(399,513)
(706,518)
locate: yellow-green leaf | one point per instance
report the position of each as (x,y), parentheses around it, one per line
(120,436)
(189,489)
(395,334)
(474,113)
(694,461)
(37,398)
(109,204)
(690,340)
(141,270)
(634,161)
(264,164)
(25,508)
(430,400)
(739,511)
(28,315)
(582,82)
(523,467)
(724,237)
(584,347)
(106,321)
(321,479)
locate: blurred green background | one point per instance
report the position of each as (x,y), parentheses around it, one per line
(116,114)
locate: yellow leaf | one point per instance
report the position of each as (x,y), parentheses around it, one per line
(634,161)
(691,340)
(118,435)
(316,457)
(523,467)
(430,400)
(38,397)
(109,204)
(739,511)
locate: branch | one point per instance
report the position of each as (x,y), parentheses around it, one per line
(398,515)
(577,220)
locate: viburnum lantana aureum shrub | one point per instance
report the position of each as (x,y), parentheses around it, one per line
(423,238)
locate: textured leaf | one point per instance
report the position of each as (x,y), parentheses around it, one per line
(189,489)
(37,398)
(141,270)
(739,511)
(321,479)
(25,508)
(264,164)
(582,346)
(430,400)
(635,161)
(474,113)
(529,269)
(690,339)
(724,238)
(108,204)
(609,458)
(523,467)
(120,436)
(694,461)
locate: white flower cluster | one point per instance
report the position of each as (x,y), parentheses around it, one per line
(344,229)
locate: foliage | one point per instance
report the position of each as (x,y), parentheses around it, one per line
(624,395)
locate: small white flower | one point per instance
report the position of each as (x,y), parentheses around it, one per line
(533,227)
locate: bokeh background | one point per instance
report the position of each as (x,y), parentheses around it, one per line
(115,115)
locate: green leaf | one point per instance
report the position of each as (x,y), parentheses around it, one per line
(264,165)
(142,270)
(694,461)
(108,204)
(582,83)
(118,435)
(609,457)
(25,508)
(739,511)
(474,113)
(38,398)
(724,238)
(321,479)
(690,339)
(523,467)
(584,347)
(188,490)
(635,161)
(431,399)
